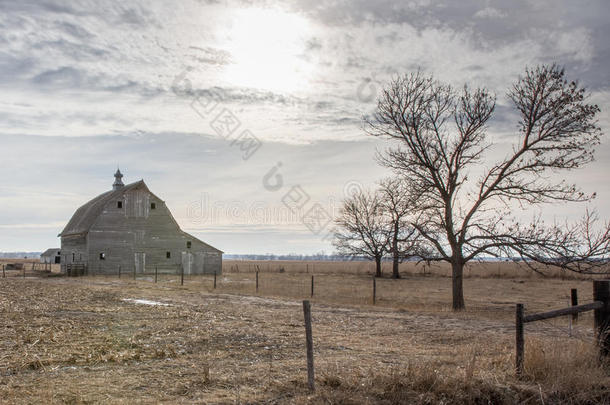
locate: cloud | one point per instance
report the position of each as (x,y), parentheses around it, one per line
(93,55)
(62,77)
(490,12)
(211,56)
(71,50)
(75,31)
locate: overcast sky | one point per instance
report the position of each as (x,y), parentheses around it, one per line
(232,112)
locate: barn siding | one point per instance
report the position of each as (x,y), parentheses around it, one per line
(73,250)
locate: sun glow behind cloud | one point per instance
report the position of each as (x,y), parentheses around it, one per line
(267,50)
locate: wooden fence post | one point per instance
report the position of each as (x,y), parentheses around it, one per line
(134,272)
(119,271)
(574,296)
(519,341)
(214,279)
(155,274)
(374,290)
(601,292)
(257,281)
(312,285)
(24,271)
(181,275)
(309,342)
(3,274)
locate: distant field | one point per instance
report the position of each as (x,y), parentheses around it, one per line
(88,340)
(500,269)
(422,287)
(483,269)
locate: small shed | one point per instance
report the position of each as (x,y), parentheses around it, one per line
(52,255)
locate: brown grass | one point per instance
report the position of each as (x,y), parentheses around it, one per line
(474,269)
(570,371)
(485,297)
(79,341)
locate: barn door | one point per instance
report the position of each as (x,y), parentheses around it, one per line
(187,262)
(199,263)
(140,262)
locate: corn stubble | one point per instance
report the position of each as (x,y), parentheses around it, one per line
(79,341)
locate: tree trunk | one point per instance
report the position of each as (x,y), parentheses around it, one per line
(395,273)
(457,267)
(378,267)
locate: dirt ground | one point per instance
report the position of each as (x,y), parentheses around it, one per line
(98,340)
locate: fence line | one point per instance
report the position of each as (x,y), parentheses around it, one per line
(355,290)
(601,306)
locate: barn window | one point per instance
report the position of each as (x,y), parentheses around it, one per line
(168,255)
(188,244)
(153,206)
(102,256)
(119,204)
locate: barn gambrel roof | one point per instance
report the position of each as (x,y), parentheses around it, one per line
(85,216)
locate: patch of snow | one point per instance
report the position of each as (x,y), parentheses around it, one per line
(146,302)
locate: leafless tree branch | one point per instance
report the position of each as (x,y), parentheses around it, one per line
(441,135)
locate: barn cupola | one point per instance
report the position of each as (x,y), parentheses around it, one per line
(118,183)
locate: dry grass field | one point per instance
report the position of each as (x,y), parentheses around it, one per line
(100,339)
(482,269)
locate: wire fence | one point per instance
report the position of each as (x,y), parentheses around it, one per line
(322,283)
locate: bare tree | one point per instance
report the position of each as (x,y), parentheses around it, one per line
(361,228)
(398,205)
(442,138)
